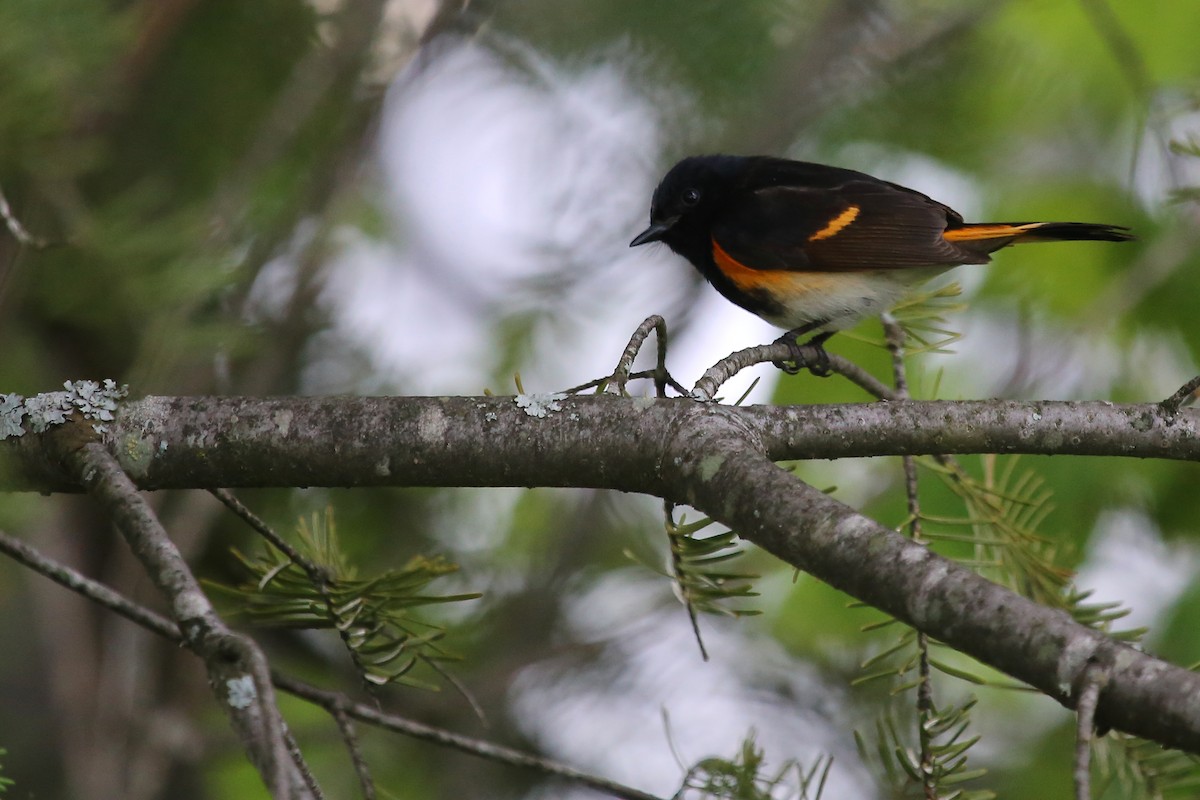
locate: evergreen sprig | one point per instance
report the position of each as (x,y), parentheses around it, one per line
(745,778)
(941,732)
(702,580)
(1003,512)
(900,662)
(946,742)
(1100,616)
(922,315)
(5,783)
(373,615)
(1145,770)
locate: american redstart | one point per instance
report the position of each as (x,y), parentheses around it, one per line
(815,249)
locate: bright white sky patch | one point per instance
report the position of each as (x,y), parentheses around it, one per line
(1128,561)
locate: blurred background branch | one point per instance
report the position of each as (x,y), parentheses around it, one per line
(413,197)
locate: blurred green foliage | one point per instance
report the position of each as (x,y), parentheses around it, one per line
(147,142)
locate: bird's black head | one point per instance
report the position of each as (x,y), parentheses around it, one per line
(687,199)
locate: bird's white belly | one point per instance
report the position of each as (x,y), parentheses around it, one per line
(841,299)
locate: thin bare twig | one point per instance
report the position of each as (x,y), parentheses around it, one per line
(93,590)
(418,730)
(1132,65)
(156,623)
(861,378)
(894,337)
(596,384)
(317,574)
(621,376)
(350,738)
(641,375)
(662,378)
(669,513)
(805,356)
(19,231)
(310,780)
(1183,394)
(1094,678)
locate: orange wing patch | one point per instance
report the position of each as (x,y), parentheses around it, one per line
(836,224)
(975,233)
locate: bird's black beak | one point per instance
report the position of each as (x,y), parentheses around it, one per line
(654,233)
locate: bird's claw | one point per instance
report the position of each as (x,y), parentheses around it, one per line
(818,364)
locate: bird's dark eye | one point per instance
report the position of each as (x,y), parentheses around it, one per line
(691,197)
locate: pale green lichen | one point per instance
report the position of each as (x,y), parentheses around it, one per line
(242,691)
(709,466)
(91,399)
(539,405)
(46,410)
(283,421)
(138,452)
(12,409)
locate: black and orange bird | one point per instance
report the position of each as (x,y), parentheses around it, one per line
(814,249)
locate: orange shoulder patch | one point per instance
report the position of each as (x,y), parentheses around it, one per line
(746,278)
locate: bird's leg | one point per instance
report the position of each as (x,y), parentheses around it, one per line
(820,367)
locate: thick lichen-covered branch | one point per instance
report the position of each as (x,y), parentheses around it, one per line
(557,440)
(713,457)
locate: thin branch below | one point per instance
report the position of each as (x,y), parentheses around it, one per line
(334,702)
(237,669)
(1094,678)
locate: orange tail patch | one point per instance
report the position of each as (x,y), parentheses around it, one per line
(975,233)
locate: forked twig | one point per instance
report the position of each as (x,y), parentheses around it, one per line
(662,378)
(623,373)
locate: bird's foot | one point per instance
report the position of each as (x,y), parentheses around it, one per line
(811,355)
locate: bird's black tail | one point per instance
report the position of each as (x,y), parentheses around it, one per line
(1015,232)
